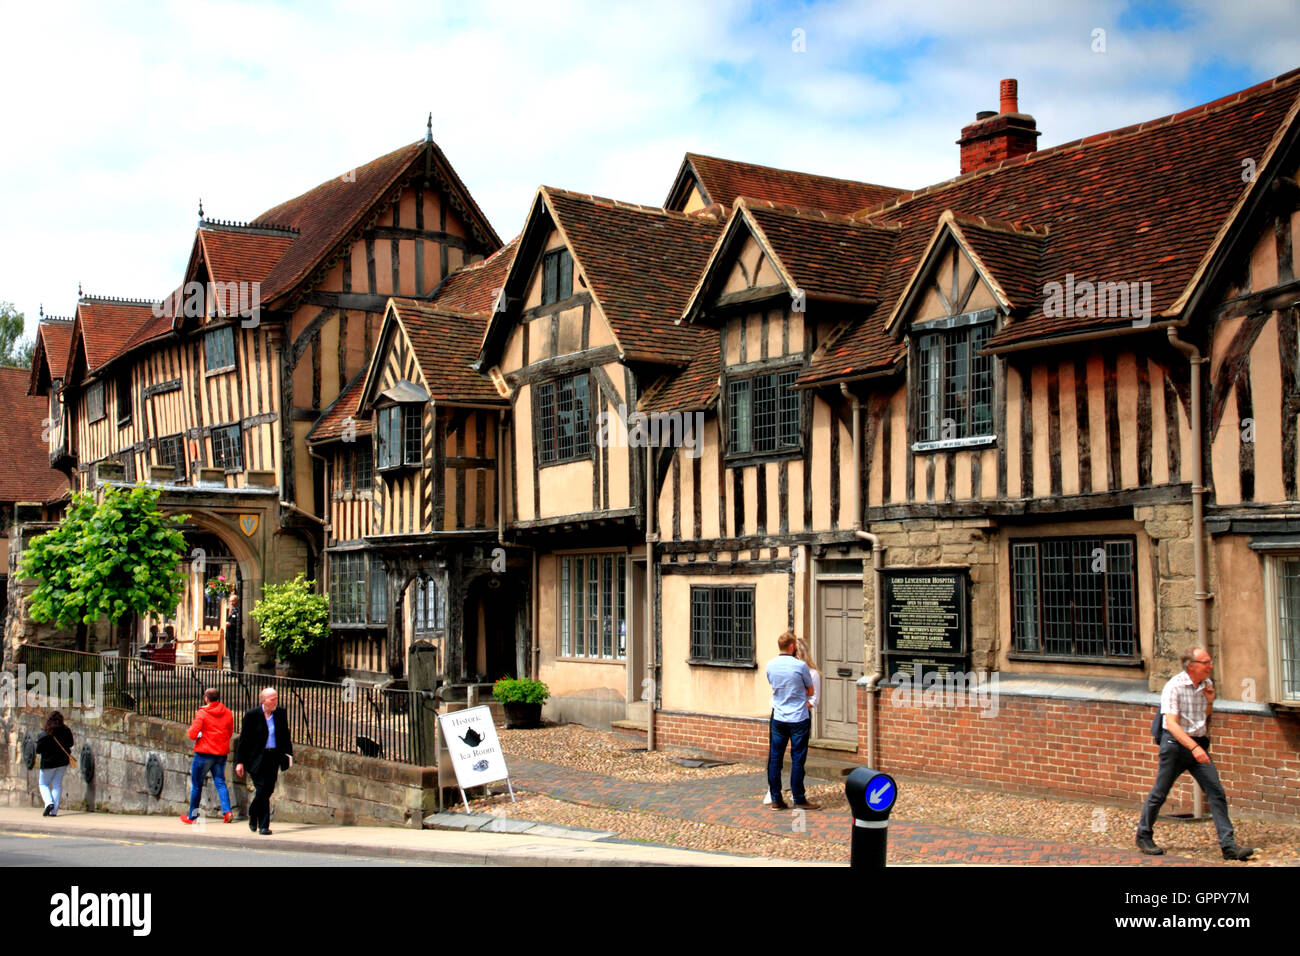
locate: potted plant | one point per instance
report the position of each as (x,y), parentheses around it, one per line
(294,621)
(522,700)
(219,587)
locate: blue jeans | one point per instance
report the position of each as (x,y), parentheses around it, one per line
(797,735)
(51,784)
(199,772)
(1174,759)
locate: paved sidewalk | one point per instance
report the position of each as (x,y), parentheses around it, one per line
(737,801)
(444,846)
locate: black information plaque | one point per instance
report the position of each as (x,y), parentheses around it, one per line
(927,622)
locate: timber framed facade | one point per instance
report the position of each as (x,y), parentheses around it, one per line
(990,380)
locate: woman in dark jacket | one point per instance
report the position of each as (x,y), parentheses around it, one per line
(55,747)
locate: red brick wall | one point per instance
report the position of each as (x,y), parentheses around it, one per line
(1038,745)
(723,736)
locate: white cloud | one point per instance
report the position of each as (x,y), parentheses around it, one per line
(121,121)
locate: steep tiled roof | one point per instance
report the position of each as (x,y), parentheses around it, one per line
(445,344)
(26,475)
(325,215)
(725,180)
(642,264)
(690,389)
(108,324)
(1140,204)
(55,336)
(474,289)
(825,255)
(1011,253)
(242,255)
(329,427)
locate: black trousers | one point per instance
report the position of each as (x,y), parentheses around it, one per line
(264,776)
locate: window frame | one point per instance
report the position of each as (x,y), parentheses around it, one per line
(95,402)
(546,419)
(717,656)
(179,463)
(122,390)
(409,430)
(787,407)
(1278,677)
(1074,627)
(602,623)
(237,444)
(426,619)
(361,571)
(925,434)
(224,332)
(557,276)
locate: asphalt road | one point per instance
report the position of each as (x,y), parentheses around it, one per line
(42,849)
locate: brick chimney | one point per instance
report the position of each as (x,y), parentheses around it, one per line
(994,137)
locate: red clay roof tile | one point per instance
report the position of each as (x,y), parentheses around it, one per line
(26,475)
(726,180)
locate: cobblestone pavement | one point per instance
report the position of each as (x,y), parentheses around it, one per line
(735,801)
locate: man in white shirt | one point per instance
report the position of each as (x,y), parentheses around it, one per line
(792,685)
(1185,705)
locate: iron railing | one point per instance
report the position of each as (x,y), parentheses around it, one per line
(348,717)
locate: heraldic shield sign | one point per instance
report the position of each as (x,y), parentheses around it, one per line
(248,524)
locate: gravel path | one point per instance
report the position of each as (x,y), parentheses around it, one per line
(1066,821)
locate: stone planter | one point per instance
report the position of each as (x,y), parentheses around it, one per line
(523,716)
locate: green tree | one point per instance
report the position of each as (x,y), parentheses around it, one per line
(292,618)
(14,349)
(118,558)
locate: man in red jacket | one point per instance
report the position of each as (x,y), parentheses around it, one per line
(211,731)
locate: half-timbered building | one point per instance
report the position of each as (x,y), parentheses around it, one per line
(1031,397)
(211,392)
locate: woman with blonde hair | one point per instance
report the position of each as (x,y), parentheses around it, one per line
(801,652)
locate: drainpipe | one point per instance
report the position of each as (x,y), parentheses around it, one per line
(650,538)
(1196,360)
(501,478)
(877,566)
(1203,596)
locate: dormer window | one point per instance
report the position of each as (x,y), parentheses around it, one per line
(398,437)
(557,276)
(953,382)
(763,413)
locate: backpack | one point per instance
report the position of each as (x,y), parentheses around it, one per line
(1157,726)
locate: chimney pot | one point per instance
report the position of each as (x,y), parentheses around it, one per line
(1009,90)
(995,137)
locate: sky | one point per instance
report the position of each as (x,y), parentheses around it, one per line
(120,117)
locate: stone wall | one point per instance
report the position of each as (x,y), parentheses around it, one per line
(1170,530)
(323,786)
(923,543)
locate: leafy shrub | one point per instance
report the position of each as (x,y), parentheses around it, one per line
(293,619)
(525,690)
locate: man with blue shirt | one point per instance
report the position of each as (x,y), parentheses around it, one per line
(265,747)
(792,685)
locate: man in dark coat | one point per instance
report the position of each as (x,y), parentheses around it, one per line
(265,748)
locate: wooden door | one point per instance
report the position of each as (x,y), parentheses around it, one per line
(841,657)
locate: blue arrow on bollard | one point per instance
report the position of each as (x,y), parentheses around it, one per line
(871,796)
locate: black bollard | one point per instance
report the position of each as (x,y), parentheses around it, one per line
(871,797)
